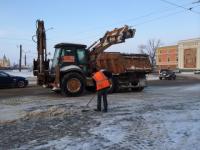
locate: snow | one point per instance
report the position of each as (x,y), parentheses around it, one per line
(170,127)
(152,77)
(23,73)
(179,129)
(10,114)
(163,117)
(194,88)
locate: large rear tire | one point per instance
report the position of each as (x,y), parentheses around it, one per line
(72,84)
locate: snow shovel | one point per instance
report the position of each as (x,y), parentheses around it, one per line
(84,110)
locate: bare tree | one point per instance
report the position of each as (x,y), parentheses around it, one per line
(150,49)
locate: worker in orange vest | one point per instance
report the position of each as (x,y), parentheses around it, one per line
(102,86)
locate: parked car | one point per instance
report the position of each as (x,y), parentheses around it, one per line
(197,72)
(167,74)
(7,80)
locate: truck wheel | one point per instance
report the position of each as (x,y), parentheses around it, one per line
(72,84)
(138,89)
(114,85)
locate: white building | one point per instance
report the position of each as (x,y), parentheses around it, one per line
(189,54)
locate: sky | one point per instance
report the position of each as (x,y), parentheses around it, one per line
(85,21)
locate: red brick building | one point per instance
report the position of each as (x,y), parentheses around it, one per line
(167,57)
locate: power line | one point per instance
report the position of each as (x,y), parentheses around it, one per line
(196,2)
(150,20)
(138,18)
(174,4)
(134,18)
(159,18)
(128,20)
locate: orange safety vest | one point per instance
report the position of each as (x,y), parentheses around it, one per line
(102,81)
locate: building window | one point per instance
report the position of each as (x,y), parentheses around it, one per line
(159,59)
(168,59)
(168,51)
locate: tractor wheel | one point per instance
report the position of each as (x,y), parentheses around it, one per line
(72,84)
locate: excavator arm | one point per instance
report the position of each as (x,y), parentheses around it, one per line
(41,65)
(116,36)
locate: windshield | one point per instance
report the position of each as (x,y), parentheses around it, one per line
(56,57)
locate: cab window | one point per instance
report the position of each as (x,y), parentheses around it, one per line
(66,52)
(81,56)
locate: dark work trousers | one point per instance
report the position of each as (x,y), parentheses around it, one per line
(102,93)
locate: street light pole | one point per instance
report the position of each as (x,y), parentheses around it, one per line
(20,58)
(25,59)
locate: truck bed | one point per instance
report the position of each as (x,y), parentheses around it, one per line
(117,63)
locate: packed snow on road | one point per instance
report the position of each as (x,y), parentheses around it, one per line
(160,117)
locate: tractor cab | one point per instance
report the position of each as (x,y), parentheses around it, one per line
(68,54)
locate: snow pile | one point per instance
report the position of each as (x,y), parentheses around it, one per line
(50,112)
(152,77)
(23,73)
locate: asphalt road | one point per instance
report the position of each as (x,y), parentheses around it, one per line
(33,90)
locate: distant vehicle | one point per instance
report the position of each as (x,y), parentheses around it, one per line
(7,80)
(197,72)
(167,74)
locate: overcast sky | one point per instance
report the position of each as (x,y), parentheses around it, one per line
(85,21)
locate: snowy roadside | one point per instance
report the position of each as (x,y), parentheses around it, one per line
(24,73)
(151,77)
(189,75)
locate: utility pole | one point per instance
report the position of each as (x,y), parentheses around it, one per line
(25,59)
(20,58)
